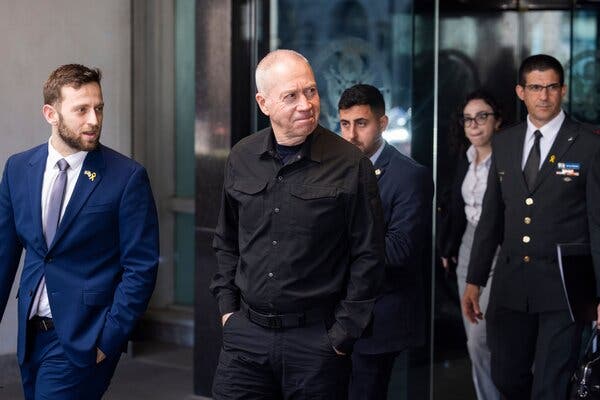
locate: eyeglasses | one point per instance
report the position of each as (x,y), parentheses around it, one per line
(479,119)
(552,88)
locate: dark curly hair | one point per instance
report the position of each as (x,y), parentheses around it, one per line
(458,143)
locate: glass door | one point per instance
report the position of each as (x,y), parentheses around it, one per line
(361,41)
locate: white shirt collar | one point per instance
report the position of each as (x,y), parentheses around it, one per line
(549,131)
(75,160)
(376,155)
(472,155)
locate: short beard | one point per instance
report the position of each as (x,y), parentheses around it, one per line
(72,140)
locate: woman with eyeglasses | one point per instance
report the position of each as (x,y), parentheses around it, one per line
(478,119)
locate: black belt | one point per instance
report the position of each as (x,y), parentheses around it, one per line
(42,324)
(281,321)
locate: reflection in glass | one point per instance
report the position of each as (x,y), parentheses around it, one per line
(354,41)
(583,70)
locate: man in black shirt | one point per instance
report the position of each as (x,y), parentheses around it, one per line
(300,247)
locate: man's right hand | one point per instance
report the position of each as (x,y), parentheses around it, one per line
(470,303)
(225,317)
(446,262)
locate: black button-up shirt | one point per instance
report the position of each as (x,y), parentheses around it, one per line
(301,235)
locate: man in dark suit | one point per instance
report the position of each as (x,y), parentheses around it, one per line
(406,191)
(86,217)
(543,189)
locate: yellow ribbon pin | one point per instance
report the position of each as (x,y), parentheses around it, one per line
(552,159)
(91,175)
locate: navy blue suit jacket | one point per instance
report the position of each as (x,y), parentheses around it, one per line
(101,267)
(406,190)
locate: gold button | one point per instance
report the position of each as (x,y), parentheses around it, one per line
(526,239)
(529,201)
(527,220)
(526,258)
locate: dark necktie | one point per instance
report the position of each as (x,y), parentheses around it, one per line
(532,165)
(55,202)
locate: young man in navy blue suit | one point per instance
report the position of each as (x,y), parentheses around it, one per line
(86,217)
(406,191)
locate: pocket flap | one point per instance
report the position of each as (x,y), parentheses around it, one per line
(249,186)
(312,192)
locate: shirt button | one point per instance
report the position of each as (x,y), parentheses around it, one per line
(526,239)
(527,220)
(280,178)
(270,275)
(529,201)
(276,210)
(526,259)
(274,242)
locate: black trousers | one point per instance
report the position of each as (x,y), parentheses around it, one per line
(533,354)
(371,376)
(292,363)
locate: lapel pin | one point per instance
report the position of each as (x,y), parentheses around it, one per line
(91,175)
(570,139)
(552,159)
(377,172)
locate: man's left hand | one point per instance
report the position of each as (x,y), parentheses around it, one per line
(100,356)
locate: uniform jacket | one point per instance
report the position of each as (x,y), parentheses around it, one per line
(529,224)
(406,191)
(101,267)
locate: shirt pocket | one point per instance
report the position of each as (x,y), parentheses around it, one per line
(249,194)
(315,209)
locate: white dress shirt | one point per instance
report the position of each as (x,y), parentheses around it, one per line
(40,305)
(549,132)
(474,185)
(376,155)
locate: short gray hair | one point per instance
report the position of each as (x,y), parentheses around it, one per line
(261,75)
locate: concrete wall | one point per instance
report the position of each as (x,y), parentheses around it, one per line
(36,37)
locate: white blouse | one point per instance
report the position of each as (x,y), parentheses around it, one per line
(474,185)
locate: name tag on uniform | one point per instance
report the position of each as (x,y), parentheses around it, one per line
(568,168)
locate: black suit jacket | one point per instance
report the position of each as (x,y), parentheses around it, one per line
(528,225)
(406,190)
(451,211)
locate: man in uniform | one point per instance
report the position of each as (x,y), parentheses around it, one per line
(543,189)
